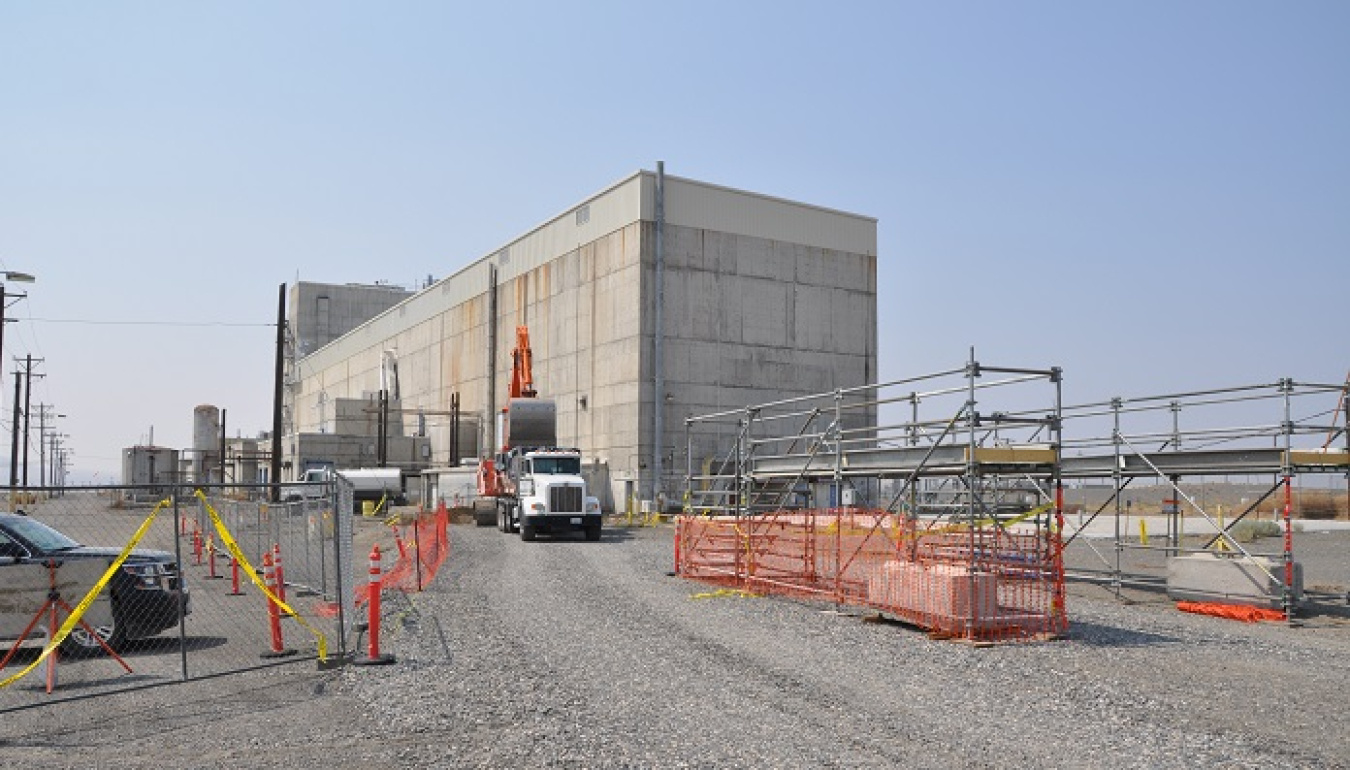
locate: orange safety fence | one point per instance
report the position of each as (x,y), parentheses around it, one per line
(1232,611)
(984,582)
(424,549)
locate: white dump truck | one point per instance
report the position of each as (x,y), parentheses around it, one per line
(537,487)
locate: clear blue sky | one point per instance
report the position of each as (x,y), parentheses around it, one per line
(1154,196)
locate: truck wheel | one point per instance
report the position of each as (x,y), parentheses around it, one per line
(81,644)
(527,532)
(592,532)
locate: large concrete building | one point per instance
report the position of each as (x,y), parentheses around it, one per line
(321,313)
(652,300)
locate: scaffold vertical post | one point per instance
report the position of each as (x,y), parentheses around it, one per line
(688,467)
(1116,482)
(838,492)
(742,436)
(1175,521)
(1287,598)
(1058,603)
(972,423)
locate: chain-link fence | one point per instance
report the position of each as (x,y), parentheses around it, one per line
(137,586)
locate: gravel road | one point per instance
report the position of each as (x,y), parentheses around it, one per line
(576,654)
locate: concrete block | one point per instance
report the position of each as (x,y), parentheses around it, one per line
(1254,582)
(944,592)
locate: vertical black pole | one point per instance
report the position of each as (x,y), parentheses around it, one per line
(276,395)
(222,446)
(14,434)
(454,429)
(27,407)
(382,443)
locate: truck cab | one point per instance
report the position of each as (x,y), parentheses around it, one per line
(550,494)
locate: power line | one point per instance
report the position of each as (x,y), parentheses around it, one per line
(95,322)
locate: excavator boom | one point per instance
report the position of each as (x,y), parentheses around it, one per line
(522,366)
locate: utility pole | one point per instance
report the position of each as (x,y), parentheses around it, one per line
(43,410)
(47,438)
(14,435)
(222,445)
(27,408)
(277,394)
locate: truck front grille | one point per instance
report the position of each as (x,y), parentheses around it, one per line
(564,500)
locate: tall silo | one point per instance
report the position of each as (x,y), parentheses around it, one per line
(205,443)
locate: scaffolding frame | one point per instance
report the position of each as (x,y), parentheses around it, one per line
(1209,446)
(972,521)
(960,467)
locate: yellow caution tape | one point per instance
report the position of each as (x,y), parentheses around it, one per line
(720,593)
(74,618)
(247,568)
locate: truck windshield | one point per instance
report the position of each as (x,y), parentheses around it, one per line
(557,465)
(39,535)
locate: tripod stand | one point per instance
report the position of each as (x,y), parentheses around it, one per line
(52,610)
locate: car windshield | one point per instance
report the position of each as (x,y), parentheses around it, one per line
(557,465)
(39,535)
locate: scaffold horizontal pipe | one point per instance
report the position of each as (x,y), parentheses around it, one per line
(1168,397)
(1204,462)
(1111,578)
(922,378)
(1038,374)
(1323,386)
(1128,546)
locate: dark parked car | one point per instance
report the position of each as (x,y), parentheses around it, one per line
(146,594)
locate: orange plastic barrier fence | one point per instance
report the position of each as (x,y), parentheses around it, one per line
(986,582)
(1232,611)
(426,548)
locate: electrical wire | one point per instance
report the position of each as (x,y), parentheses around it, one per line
(96,322)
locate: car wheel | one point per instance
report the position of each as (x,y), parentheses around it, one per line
(79,643)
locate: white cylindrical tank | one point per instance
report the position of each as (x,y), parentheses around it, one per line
(205,439)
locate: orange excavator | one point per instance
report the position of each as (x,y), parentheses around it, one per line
(490,483)
(522,366)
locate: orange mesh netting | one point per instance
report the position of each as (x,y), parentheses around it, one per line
(422,550)
(1232,611)
(985,582)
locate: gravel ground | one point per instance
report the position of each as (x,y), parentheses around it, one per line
(575,654)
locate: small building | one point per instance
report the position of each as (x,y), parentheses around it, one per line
(153,470)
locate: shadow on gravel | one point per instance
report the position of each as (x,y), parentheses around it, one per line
(613,535)
(133,648)
(159,645)
(1097,635)
(1326,605)
(607,535)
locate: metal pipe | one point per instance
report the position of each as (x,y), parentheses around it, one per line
(490,429)
(14,436)
(278,377)
(658,331)
(27,408)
